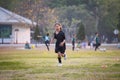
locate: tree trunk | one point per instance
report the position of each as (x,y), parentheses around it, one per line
(96,23)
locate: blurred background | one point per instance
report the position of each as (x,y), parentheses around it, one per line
(80,17)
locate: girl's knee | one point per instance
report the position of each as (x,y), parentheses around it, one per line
(59,55)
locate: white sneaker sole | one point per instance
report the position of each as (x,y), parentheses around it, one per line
(59,64)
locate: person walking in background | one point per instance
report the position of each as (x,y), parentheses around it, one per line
(97,41)
(47,41)
(60,45)
(73,42)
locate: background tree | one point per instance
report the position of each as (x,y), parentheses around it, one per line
(96,15)
(118,25)
(72,15)
(37,34)
(81,32)
(8,4)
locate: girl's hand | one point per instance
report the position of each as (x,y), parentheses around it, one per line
(62,43)
(51,41)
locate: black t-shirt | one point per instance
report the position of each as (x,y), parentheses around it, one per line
(59,38)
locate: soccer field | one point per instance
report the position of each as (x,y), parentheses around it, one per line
(40,64)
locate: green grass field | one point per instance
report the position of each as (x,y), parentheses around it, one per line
(39,64)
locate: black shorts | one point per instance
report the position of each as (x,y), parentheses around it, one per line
(98,44)
(73,43)
(47,42)
(60,49)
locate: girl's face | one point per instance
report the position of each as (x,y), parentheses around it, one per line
(57,27)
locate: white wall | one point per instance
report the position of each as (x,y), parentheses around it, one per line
(6,40)
(22,35)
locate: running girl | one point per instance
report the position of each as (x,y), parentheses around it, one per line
(60,46)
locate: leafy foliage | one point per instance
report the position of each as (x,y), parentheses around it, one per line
(36,33)
(97,15)
(81,31)
(118,25)
(9,4)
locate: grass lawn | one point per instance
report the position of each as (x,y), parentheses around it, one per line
(39,64)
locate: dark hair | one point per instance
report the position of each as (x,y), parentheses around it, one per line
(96,33)
(47,34)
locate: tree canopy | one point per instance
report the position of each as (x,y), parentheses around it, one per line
(96,15)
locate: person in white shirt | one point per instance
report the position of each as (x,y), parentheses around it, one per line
(47,41)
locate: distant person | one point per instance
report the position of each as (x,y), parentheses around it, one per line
(27,45)
(91,44)
(73,42)
(84,44)
(79,45)
(97,41)
(47,41)
(60,45)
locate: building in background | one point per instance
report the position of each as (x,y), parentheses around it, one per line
(14,28)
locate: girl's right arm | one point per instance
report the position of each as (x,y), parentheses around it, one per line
(52,38)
